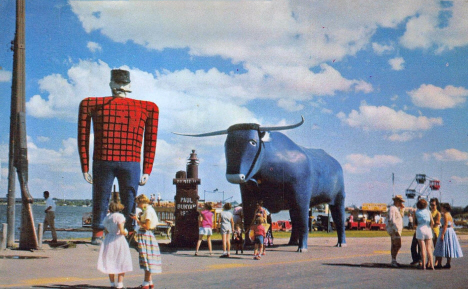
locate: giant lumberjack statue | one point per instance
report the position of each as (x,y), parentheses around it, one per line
(119,124)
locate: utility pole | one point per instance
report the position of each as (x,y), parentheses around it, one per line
(18,154)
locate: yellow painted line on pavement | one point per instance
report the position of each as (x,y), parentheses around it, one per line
(227,266)
(42,281)
(60,280)
(256,264)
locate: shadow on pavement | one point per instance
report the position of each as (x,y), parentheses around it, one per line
(80,286)
(373,265)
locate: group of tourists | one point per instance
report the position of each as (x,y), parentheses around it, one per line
(434,236)
(231,229)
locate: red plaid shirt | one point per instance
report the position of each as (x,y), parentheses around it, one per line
(119,125)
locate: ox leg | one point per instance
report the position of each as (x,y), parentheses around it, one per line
(303,228)
(249,191)
(300,232)
(338,215)
(294,239)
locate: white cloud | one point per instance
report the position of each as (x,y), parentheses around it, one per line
(404,136)
(359,163)
(186,93)
(386,119)
(363,87)
(93,46)
(55,160)
(255,32)
(43,138)
(5,76)
(448,155)
(290,105)
(383,118)
(426,29)
(430,96)
(397,63)
(64,95)
(381,49)
(460,180)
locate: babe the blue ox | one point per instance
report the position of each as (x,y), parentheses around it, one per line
(270,167)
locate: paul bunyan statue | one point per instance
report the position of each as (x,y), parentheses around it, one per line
(121,127)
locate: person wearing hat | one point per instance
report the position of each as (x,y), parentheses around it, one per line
(395,226)
(121,127)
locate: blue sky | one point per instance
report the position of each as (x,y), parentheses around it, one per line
(381,84)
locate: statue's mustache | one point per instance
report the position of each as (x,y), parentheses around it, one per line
(122,90)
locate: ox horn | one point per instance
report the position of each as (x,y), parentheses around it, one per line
(272,128)
(220,132)
(266,128)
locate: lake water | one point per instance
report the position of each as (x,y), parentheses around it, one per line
(66,217)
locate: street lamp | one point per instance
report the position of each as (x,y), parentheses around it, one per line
(213,191)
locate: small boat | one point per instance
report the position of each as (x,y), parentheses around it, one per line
(87,219)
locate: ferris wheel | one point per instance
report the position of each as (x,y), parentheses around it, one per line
(422,186)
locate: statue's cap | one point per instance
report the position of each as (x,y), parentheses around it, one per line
(120,75)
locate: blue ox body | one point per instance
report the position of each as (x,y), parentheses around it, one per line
(270,167)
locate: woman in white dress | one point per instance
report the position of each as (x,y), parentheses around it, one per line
(114,254)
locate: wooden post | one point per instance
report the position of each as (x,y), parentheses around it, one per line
(18,144)
(40,231)
(4,237)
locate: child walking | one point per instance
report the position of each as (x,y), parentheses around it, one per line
(148,248)
(447,244)
(226,227)
(114,254)
(205,225)
(259,235)
(237,238)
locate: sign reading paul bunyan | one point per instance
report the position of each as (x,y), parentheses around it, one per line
(186,204)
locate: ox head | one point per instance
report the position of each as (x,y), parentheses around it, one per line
(244,148)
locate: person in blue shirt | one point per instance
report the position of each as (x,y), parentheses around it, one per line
(424,223)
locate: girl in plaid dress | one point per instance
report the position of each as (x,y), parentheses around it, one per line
(148,248)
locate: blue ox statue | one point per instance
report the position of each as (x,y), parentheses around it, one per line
(270,167)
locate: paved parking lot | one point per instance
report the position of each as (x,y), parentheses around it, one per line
(364,263)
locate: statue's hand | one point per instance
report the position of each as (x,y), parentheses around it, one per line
(88,177)
(144,179)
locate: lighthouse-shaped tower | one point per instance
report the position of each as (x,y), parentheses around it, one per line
(186,204)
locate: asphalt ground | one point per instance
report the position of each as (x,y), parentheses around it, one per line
(364,263)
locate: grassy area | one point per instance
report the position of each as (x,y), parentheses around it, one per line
(321,234)
(349,234)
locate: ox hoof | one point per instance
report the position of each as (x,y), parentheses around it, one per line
(301,250)
(341,245)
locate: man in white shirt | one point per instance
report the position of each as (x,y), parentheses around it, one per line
(395,226)
(50,216)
